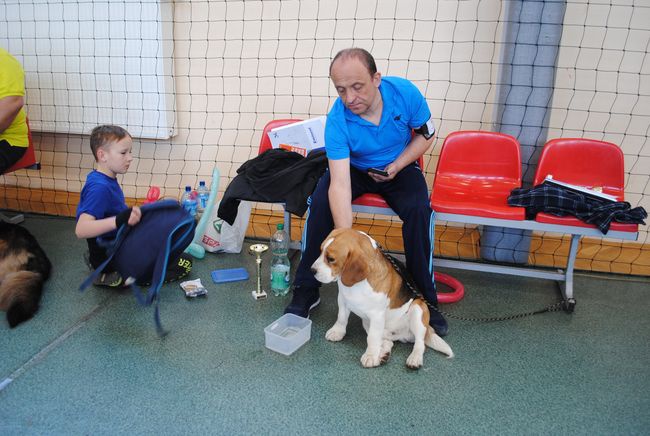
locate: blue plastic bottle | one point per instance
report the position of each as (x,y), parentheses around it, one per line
(203,195)
(188,201)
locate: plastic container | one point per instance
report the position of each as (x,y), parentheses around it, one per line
(280,265)
(203,194)
(188,201)
(288,333)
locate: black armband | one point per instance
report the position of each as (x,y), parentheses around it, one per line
(427,130)
(122,217)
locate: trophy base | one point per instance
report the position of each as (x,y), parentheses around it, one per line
(259,295)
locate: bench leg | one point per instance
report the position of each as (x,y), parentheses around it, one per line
(293,245)
(16,219)
(568,274)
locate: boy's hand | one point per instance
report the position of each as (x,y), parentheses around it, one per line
(129,216)
(135,216)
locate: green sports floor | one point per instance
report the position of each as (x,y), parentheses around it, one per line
(91,363)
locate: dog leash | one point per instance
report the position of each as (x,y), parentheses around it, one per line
(561,304)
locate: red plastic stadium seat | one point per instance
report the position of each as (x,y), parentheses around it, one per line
(584,162)
(265,142)
(476,172)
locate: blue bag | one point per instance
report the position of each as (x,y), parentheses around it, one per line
(141,253)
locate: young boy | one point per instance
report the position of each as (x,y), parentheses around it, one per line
(102,208)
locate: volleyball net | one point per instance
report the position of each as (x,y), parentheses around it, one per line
(195,82)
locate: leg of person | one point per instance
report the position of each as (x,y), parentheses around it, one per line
(9,155)
(319,223)
(93,258)
(408,196)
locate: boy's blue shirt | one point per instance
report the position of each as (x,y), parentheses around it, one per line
(349,136)
(101,196)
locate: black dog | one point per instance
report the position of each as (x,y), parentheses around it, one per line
(24,267)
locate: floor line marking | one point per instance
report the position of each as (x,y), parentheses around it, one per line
(38,357)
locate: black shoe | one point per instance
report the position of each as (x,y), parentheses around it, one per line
(111,280)
(303,301)
(438,322)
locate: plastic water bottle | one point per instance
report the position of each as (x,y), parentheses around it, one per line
(188,201)
(203,195)
(280,266)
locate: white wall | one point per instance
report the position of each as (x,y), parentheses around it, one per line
(239,64)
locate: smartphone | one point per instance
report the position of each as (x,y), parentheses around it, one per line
(378,171)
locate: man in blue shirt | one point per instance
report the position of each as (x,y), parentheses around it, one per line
(370,128)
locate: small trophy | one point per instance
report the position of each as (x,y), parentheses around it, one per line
(258,249)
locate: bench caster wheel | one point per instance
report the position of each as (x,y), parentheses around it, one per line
(569,305)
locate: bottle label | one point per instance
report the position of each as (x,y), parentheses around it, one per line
(280,277)
(203,200)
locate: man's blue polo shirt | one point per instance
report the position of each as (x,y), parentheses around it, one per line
(349,136)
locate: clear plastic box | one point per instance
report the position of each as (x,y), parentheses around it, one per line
(288,333)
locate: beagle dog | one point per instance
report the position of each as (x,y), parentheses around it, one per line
(370,287)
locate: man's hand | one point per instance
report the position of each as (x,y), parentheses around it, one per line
(392,169)
(340,193)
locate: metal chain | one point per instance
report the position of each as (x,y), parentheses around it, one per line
(551,308)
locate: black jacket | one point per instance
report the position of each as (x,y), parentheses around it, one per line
(275,176)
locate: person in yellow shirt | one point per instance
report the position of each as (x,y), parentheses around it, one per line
(13,120)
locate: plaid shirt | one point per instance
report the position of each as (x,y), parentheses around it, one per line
(562,202)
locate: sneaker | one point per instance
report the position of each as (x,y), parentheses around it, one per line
(303,301)
(111,280)
(438,322)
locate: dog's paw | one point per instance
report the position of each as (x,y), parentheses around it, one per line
(386,347)
(335,334)
(369,360)
(415,360)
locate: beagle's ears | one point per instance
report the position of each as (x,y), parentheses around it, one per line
(355,269)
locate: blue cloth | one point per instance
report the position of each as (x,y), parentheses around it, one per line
(347,135)
(101,196)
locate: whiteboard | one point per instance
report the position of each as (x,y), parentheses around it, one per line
(94,62)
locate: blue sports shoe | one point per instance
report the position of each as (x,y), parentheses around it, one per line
(303,301)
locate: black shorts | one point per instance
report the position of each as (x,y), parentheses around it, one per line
(9,155)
